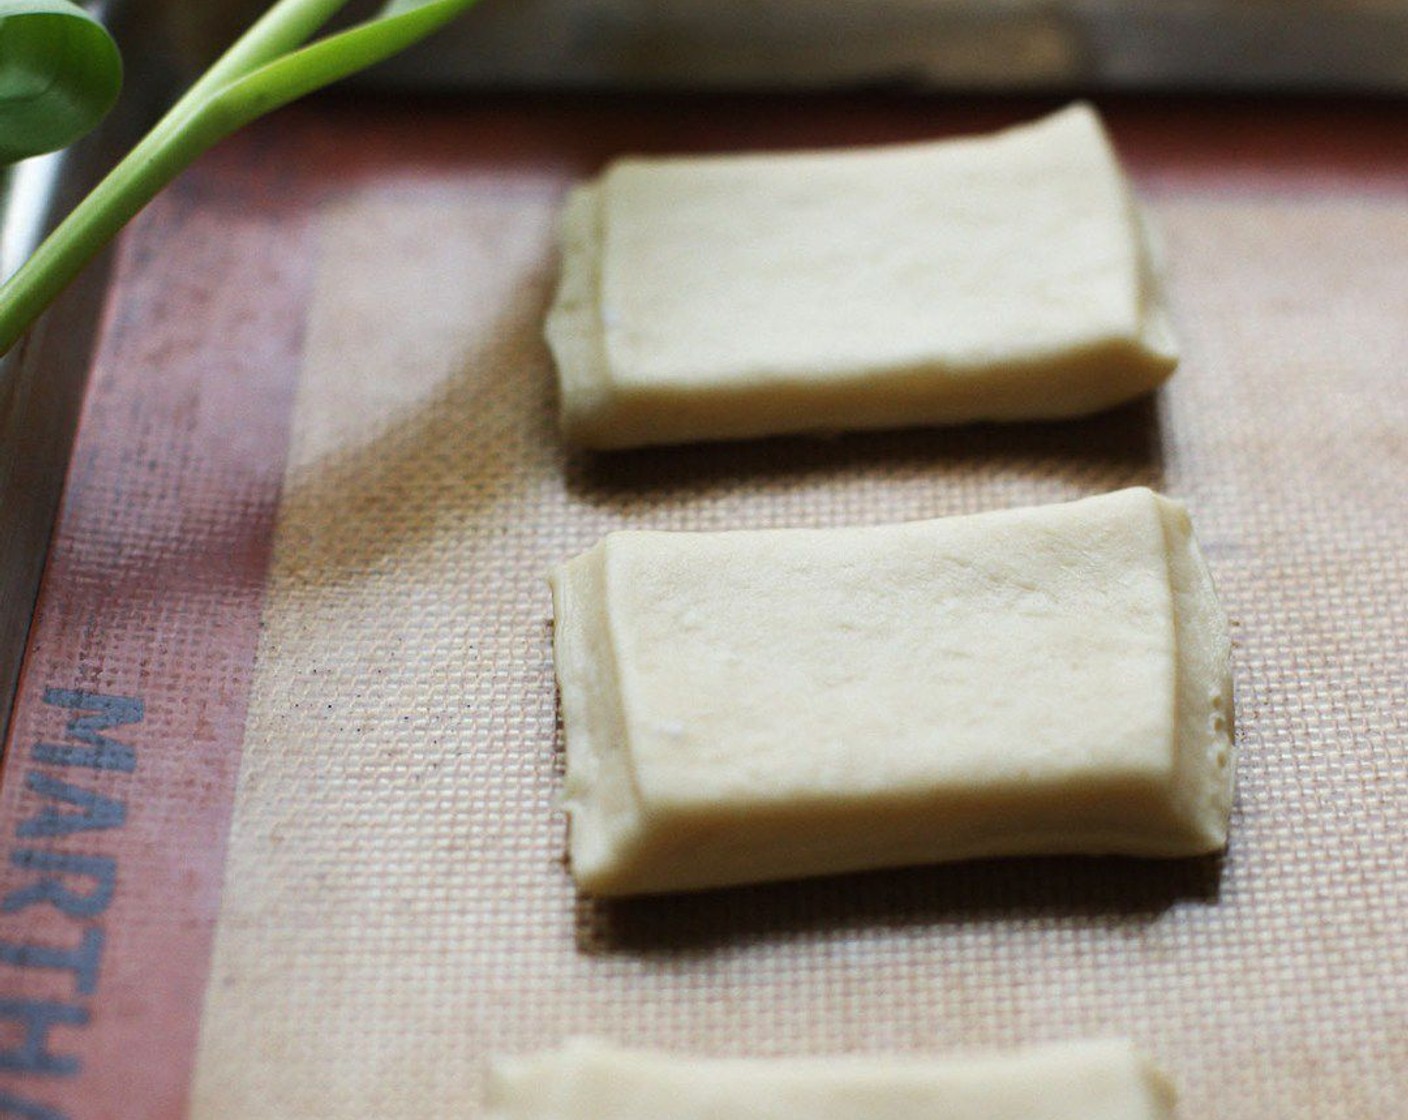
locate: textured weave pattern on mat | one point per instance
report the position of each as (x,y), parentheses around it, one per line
(396,906)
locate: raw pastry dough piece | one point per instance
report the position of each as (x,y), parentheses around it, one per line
(1006,277)
(1099,1080)
(746,706)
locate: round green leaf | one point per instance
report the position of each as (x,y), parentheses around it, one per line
(60,72)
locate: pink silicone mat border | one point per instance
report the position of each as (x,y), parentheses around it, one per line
(125,742)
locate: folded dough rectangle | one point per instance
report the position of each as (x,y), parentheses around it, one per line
(745,706)
(1002,277)
(588,1080)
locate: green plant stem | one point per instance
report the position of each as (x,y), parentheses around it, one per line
(267,68)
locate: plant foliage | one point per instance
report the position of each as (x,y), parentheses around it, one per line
(276,61)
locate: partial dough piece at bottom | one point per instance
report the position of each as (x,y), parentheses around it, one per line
(748,706)
(1098,1080)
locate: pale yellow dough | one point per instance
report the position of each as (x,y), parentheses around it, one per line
(748,706)
(1005,277)
(585,1080)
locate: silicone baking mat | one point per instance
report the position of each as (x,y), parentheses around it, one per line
(279,797)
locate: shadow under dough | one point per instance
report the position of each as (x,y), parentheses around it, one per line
(1104,891)
(1109,451)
